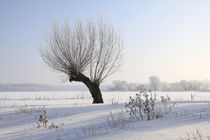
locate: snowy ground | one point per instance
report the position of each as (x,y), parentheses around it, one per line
(77,118)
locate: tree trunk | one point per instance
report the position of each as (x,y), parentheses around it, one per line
(92,86)
(95,92)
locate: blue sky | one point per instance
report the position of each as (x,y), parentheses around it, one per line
(166,38)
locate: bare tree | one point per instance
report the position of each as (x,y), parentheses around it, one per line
(86,53)
(154,83)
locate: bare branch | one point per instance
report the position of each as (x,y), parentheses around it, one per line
(92,48)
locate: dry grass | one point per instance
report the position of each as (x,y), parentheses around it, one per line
(27,109)
(197,135)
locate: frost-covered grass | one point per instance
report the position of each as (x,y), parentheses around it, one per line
(196,135)
(72,116)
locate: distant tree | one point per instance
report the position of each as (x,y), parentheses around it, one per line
(119,85)
(154,83)
(141,87)
(86,53)
(184,85)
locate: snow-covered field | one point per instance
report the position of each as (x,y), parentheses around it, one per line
(76,118)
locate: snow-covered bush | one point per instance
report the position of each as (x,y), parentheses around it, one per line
(42,120)
(143,105)
(166,104)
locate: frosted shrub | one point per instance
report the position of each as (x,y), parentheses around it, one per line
(166,105)
(42,120)
(165,100)
(135,107)
(143,105)
(114,101)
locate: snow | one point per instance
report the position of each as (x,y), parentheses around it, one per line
(77,118)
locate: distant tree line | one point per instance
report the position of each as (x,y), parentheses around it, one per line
(156,85)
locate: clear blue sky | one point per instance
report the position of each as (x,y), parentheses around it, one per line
(166,38)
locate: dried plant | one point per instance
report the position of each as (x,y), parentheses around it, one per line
(143,105)
(197,135)
(42,120)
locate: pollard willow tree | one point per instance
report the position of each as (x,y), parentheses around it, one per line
(86,53)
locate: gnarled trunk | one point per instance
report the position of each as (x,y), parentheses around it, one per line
(95,92)
(92,86)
